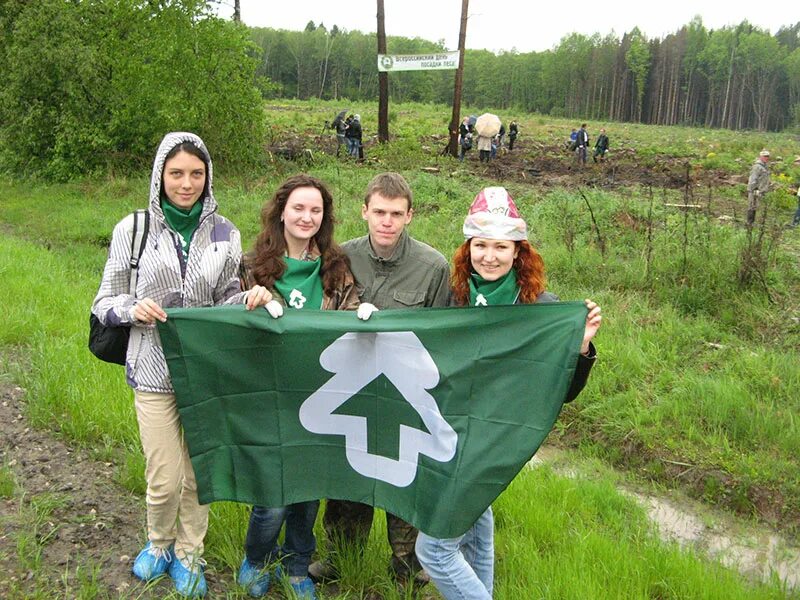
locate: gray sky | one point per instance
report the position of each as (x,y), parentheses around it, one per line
(522,24)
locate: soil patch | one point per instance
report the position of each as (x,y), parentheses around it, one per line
(67,521)
(538,164)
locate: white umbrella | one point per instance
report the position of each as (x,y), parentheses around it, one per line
(488,125)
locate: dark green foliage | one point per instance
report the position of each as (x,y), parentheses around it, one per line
(90,86)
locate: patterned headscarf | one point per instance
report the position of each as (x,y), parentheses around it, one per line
(493,215)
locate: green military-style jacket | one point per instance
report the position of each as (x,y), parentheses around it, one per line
(415,276)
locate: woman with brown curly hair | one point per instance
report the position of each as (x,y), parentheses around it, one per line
(297,260)
(495,265)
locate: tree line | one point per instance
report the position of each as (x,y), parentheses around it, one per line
(737,77)
(92,85)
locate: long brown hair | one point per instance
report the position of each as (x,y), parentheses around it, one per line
(528,264)
(266,260)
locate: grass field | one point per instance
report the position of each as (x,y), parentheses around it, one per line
(696,384)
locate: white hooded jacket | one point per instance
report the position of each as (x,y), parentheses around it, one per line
(208,277)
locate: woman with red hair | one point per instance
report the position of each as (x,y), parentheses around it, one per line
(495,265)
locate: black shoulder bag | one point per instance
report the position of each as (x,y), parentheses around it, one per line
(110,343)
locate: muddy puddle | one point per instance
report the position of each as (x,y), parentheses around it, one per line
(756,552)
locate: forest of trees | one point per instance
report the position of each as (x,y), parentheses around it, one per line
(92,85)
(738,77)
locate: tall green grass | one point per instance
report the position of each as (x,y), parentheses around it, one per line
(692,368)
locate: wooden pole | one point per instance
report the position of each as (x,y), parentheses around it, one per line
(455,120)
(383,82)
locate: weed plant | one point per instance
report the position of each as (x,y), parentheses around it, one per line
(694,369)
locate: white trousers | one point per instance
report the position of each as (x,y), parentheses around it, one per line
(174,516)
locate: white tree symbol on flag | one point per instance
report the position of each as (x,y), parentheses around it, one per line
(356,359)
(296,299)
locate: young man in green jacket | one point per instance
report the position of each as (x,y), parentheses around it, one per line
(392,270)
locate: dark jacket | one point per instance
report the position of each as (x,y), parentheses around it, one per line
(582,139)
(585,363)
(354,130)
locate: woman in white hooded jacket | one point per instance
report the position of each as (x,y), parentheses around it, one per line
(191,258)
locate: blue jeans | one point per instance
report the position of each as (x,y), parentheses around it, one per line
(261,544)
(353,145)
(462,568)
(796,220)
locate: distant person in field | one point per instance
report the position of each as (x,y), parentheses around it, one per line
(464,138)
(600,147)
(513,132)
(393,270)
(497,143)
(757,185)
(796,220)
(340,126)
(191,258)
(484,148)
(582,144)
(465,146)
(296,258)
(571,143)
(464,128)
(347,123)
(494,266)
(354,134)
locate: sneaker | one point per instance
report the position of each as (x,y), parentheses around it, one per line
(253,579)
(152,562)
(303,588)
(322,571)
(188,578)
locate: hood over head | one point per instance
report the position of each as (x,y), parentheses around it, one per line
(171,140)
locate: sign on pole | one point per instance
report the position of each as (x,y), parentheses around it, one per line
(418,62)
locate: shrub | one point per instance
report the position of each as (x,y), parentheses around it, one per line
(89,85)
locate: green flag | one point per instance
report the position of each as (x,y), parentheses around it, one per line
(428,413)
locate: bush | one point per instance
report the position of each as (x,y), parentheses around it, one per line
(88,86)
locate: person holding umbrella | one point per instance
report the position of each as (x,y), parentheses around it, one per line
(487,127)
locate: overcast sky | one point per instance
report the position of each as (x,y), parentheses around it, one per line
(522,24)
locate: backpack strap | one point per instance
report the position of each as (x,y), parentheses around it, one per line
(141,226)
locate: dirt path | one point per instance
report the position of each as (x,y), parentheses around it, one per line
(67,521)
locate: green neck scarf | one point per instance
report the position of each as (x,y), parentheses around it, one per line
(491,293)
(183,222)
(301,284)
